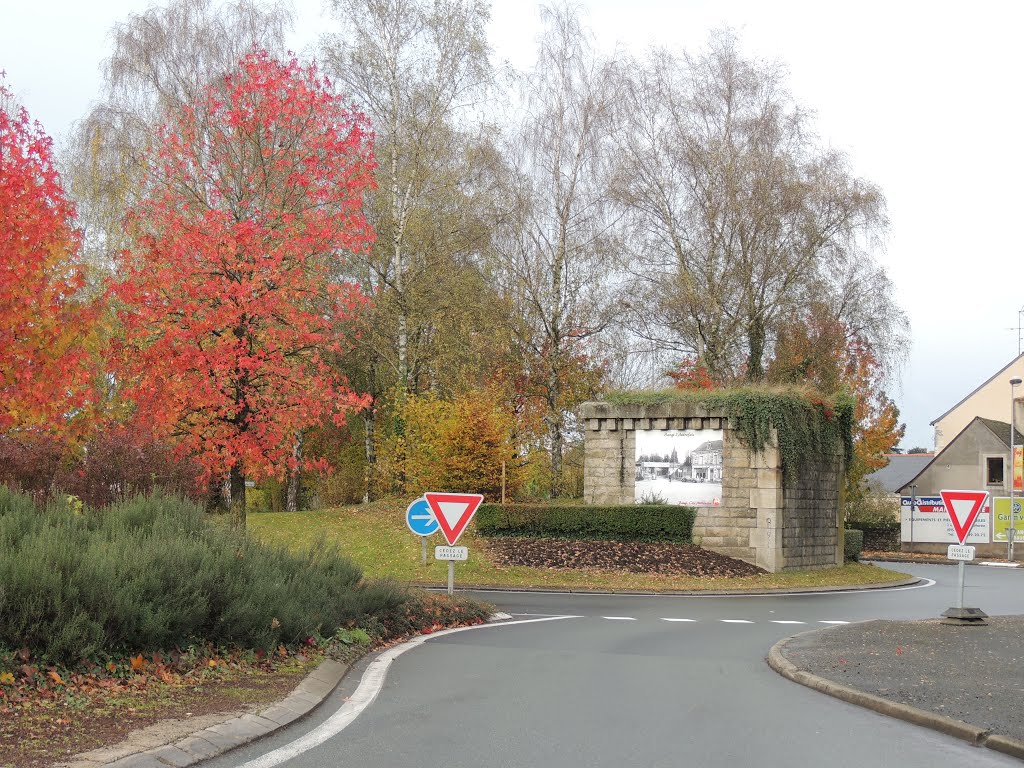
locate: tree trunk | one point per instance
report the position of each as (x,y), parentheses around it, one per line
(237,482)
(555,429)
(369,426)
(295,477)
(755,363)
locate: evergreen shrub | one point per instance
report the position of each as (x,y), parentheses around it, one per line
(632,522)
(853,544)
(155,573)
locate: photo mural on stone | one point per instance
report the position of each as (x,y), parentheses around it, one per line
(679,467)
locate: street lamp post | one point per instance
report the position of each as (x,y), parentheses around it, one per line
(1013,429)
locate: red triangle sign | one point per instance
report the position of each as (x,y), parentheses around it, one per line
(453,512)
(963,508)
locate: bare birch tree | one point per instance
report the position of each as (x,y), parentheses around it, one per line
(414,67)
(558,249)
(743,217)
(417,68)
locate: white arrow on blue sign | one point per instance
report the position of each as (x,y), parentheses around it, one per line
(420,518)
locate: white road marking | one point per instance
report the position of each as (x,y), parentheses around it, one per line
(736,621)
(619,618)
(367,690)
(782,621)
(679,620)
(923,584)
(833,622)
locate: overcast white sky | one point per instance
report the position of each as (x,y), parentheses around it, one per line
(925,97)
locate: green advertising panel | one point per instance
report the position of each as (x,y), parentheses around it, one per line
(1001,523)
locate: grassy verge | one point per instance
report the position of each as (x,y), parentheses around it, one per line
(376,538)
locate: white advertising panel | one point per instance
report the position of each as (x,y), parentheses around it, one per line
(931,524)
(679,466)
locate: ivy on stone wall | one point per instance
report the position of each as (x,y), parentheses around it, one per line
(807,423)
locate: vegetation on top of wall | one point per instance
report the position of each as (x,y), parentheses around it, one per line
(806,422)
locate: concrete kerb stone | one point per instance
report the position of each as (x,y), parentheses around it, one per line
(224,736)
(952,727)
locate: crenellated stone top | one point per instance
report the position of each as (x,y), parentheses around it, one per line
(612,417)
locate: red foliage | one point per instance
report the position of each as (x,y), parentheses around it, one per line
(229,296)
(692,374)
(44,324)
(29,462)
(118,461)
(822,351)
(124,460)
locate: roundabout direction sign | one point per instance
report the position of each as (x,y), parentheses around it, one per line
(420,518)
(421,521)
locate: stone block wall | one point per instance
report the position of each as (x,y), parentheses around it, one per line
(762,519)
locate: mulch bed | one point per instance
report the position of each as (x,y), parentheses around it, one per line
(631,556)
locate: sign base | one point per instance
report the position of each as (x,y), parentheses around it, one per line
(965,617)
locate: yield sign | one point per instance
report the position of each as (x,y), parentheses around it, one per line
(963,508)
(453,511)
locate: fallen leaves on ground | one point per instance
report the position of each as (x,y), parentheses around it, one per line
(632,556)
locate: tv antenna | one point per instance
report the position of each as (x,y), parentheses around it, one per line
(1019,328)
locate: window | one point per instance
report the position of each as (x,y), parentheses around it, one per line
(994,470)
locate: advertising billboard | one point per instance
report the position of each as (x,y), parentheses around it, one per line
(930,523)
(1001,524)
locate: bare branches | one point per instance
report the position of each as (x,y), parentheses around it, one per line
(737,206)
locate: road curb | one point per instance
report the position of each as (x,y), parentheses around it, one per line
(224,735)
(908,582)
(958,728)
(221,737)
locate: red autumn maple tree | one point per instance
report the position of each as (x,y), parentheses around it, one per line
(228,298)
(45,323)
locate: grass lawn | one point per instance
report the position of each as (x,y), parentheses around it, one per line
(376,537)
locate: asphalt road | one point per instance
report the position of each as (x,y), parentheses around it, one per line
(634,681)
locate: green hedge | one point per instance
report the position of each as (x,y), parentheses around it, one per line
(633,522)
(853,544)
(155,573)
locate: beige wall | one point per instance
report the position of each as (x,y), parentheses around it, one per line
(991,401)
(962,465)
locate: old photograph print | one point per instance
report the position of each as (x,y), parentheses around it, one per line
(679,467)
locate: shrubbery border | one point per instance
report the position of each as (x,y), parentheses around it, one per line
(626,522)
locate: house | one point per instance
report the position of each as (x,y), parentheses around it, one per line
(976,458)
(707,462)
(991,400)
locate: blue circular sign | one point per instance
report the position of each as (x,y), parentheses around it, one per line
(420,518)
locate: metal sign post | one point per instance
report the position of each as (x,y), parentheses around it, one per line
(963,508)
(421,521)
(913,511)
(451,577)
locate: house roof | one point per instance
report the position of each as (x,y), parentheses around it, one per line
(900,470)
(985,383)
(1000,429)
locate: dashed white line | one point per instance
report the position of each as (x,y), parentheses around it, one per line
(619,618)
(784,621)
(833,622)
(689,620)
(736,621)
